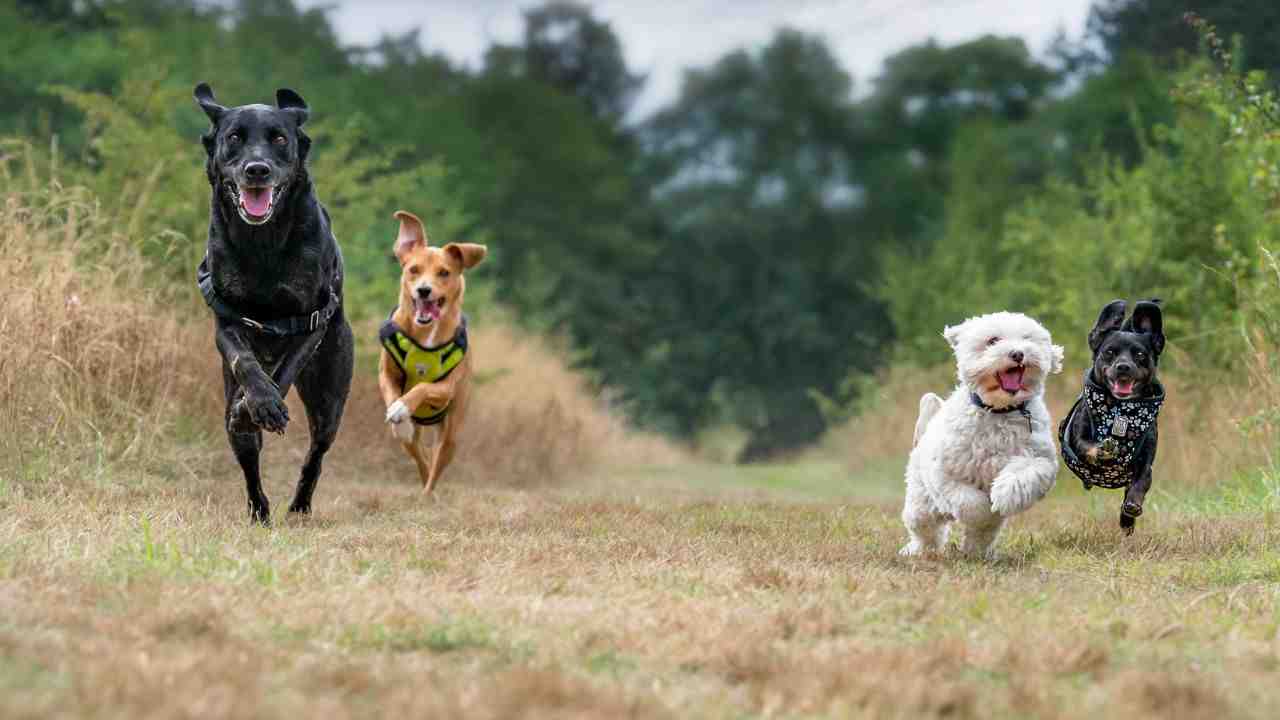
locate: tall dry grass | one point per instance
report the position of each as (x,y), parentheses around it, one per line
(94,367)
(1214,425)
(98,367)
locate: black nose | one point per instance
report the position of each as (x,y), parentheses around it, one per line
(1016,356)
(424,292)
(1124,368)
(257,171)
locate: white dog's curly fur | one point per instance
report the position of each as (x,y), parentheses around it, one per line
(979,457)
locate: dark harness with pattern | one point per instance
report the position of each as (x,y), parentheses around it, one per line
(1123,427)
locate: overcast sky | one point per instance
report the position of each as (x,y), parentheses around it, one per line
(662,38)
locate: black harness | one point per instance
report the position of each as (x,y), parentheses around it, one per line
(1020,409)
(280,327)
(1125,424)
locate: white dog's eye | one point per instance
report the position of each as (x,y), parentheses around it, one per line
(993,341)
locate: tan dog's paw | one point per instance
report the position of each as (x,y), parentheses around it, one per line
(397,412)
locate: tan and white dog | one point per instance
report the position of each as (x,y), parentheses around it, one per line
(425,370)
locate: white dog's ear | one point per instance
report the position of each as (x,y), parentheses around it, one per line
(1055,366)
(952,334)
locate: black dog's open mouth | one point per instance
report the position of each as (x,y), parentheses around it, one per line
(257,204)
(1011,379)
(427,311)
(1122,388)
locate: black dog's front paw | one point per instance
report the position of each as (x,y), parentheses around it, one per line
(263,410)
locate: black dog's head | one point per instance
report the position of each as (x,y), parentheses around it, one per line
(256,152)
(1126,352)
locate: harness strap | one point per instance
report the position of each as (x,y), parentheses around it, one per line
(280,327)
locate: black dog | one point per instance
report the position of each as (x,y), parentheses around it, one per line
(1109,437)
(272,274)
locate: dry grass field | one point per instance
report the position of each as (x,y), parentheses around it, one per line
(566,568)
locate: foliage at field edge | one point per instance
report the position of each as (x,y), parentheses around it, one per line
(750,254)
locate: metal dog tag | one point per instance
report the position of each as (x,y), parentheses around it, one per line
(1120,428)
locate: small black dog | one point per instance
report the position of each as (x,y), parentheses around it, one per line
(1109,437)
(272,274)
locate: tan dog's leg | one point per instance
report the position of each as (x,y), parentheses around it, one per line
(447,437)
(414,450)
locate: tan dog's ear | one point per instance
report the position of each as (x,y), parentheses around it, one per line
(411,234)
(469,254)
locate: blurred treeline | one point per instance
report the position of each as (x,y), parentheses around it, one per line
(748,255)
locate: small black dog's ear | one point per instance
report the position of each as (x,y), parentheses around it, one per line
(204,98)
(1110,320)
(287,99)
(1149,320)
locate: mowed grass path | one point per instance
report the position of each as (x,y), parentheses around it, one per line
(692,591)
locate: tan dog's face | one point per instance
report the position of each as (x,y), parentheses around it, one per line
(431,278)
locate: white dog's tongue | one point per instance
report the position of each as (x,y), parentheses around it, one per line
(256,201)
(1010,380)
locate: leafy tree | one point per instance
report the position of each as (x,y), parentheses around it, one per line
(1156,28)
(922,99)
(566,47)
(760,285)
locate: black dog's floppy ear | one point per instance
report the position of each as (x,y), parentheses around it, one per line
(1148,320)
(204,98)
(1110,320)
(287,99)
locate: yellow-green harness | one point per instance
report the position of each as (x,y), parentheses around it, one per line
(420,364)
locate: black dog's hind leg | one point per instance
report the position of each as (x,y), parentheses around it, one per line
(247,448)
(323,385)
(1136,493)
(1133,497)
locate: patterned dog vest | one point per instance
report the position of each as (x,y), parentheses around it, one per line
(1127,425)
(420,364)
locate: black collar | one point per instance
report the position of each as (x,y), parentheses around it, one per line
(1021,409)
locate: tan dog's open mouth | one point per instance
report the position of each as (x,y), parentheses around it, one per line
(426,311)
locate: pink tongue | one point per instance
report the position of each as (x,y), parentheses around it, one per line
(256,201)
(1011,380)
(426,307)
(1122,388)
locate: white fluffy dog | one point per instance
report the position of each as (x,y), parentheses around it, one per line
(986,452)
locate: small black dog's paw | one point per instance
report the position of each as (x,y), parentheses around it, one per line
(1129,513)
(296,508)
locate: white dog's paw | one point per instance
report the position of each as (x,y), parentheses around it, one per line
(403,430)
(397,412)
(1006,500)
(912,549)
